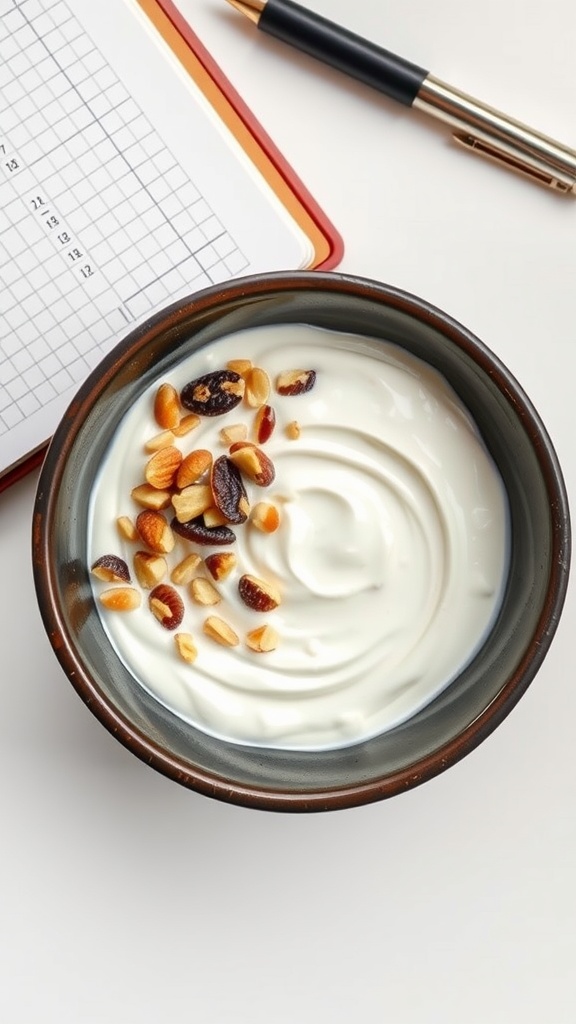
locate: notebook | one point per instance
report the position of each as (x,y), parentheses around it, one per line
(131,174)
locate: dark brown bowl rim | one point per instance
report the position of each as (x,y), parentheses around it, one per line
(259,797)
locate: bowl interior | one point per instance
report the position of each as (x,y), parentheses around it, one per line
(465,712)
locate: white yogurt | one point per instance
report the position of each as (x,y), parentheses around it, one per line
(391,555)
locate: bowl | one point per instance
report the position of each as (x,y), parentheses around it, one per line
(462,714)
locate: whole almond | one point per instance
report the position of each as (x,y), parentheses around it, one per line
(193,466)
(121,599)
(167,407)
(260,595)
(155,531)
(162,467)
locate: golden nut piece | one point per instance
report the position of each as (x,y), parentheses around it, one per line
(186,424)
(162,467)
(260,595)
(183,573)
(235,432)
(149,568)
(186,647)
(126,528)
(253,462)
(263,639)
(203,592)
(293,430)
(150,497)
(220,631)
(221,564)
(257,387)
(167,407)
(265,517)
(162,440)
(240,366)
(121,599)
(155,531)
(192,502)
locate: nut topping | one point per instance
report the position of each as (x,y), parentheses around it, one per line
(167,407)
(253,462)
(162,467)
(193,466)
(295,382)
(264,423)
(121,599)
(214,393)
(183,573)
(150,497)
(257,387)
(155,531)
(240,366)
(150,568)
(220,631)
(265,517)
(111,569)
(186,424)
(162,440)
(197,531)
(192,502)
(229,493)
(263,639)
(220,564)
(235,432)
(203,592)
(186,647)
(258,594)
(126,528)
(166,605)
(293,430)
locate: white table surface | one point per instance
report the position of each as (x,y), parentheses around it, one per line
(126,899)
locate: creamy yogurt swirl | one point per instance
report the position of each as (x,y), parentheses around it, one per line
(391,556)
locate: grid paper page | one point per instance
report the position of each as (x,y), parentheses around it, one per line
(100,224)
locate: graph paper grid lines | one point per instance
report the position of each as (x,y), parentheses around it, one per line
(99,223)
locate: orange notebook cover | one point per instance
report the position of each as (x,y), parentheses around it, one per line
(101,222)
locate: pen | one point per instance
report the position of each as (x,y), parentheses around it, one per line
(479,128)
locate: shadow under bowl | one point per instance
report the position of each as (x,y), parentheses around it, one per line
(463,714)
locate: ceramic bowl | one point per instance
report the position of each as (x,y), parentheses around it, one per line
(463,714)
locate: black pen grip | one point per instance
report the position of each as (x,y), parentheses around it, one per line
(341,49)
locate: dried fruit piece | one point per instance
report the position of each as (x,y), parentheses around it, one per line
(126,528)
(150,568)
(193,466)
(166,406)
(293,430)
(240,366)
(155,531)
(220,631)
(184,571)
(162,467)
(253,462)
(213,394)
(264,423)
(186,424)
(265,517)
(263,639)
(260,595)
(257,387)
(186,647)
(111,569)
(197,531)
(235,432)
(202,591)
(121,599)
(166,605)
(220,564)
(162,440)
(192,502)
(229,493)
(295,382)
(151,497)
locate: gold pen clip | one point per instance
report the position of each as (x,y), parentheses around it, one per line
(514,162)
